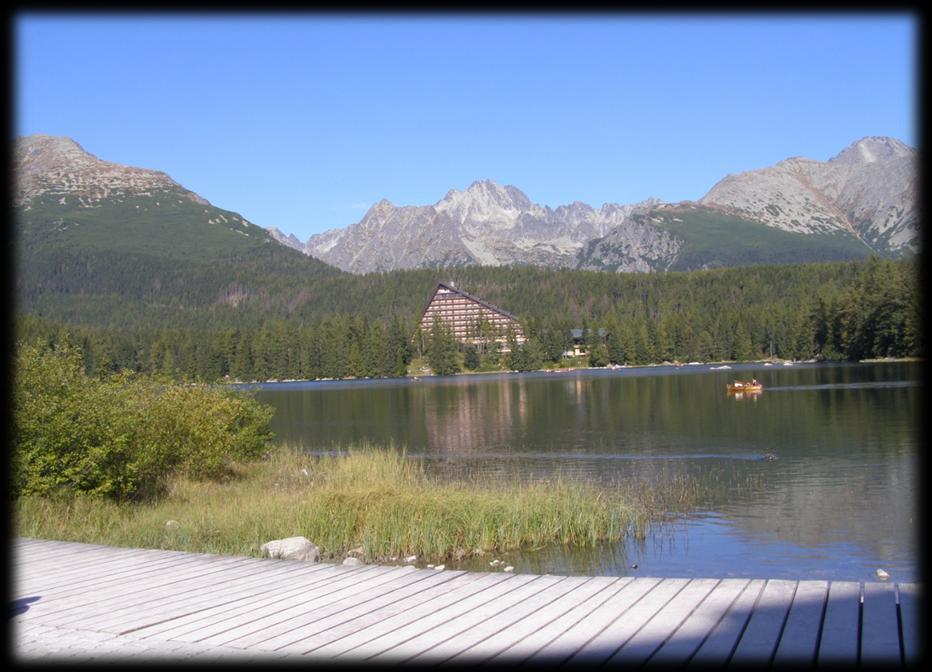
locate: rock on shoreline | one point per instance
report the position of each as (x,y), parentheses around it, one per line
(292,548)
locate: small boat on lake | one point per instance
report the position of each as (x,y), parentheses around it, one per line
(745,386)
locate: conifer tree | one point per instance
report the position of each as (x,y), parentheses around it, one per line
(442,351)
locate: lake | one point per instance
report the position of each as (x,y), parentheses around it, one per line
(836,499)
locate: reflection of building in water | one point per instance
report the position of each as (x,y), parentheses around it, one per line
(469,419)
(470,319)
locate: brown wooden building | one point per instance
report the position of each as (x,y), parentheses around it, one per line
(462,314)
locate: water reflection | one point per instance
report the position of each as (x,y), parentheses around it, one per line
(840,493)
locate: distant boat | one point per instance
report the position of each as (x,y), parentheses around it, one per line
(716,368)
(787,363)
(745,386)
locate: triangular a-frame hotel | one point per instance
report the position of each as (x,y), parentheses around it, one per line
(461,312)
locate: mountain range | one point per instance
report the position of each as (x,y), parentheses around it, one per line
(860,202)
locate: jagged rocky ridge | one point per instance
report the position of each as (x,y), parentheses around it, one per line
(865,196)
(486,224)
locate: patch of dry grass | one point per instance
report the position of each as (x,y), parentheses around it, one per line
(374,499)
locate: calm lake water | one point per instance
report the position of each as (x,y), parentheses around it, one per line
(838,501)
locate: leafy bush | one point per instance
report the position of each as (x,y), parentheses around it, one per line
(122,436)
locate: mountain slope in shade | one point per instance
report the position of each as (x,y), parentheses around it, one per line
(868,190)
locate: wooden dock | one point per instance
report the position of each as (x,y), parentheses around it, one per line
(376,613)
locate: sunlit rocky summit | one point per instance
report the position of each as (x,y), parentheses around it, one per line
(486,224)
(60,167)
(867,190)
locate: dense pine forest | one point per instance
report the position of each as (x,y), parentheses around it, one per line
(338,326)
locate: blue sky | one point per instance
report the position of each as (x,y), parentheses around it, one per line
(302,121)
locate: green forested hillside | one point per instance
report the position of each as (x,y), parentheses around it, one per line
(338,326)
(713,240)
(164,250)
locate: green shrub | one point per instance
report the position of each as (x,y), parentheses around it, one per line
(122,436)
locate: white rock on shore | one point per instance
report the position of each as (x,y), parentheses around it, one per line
(292,548)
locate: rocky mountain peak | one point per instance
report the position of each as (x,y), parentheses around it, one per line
(47,150)
(379,213)
(484,200)
(56,165)
(873,149)
(289,240)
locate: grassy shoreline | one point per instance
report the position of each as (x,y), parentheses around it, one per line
(374,504)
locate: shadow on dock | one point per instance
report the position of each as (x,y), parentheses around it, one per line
(20,606)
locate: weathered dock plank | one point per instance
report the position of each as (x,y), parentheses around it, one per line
(720,644)
(380,625)
(305,621)
(349,583)
(700,624)
(601,647)
(582,602)
(839,643)
(880,637)
(428,645)
(437,618)
(70,574)
(540,616)
(160,606)
(574,638)
(74,606)
(759,640)
(293,584)
(909,621)
(130,574)
(418,588)
(507,626)
(800,639)
(663,623)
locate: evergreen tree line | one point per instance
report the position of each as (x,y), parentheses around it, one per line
(851,310)
(339,347)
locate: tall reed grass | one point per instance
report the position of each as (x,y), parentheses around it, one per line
(373,502)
